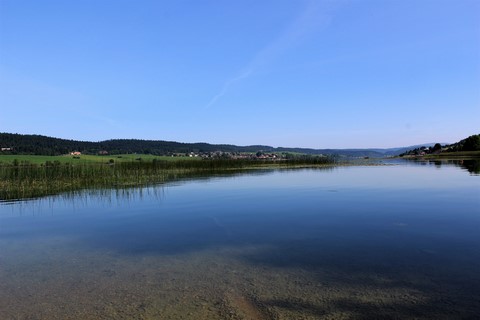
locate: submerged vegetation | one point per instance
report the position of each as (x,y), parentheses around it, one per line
(23,179)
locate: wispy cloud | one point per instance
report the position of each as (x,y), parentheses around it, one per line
(227,85)
(314,17)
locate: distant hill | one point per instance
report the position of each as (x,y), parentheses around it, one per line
(42,145)
(471,143)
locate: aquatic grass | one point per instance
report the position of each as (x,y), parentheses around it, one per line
(21,180)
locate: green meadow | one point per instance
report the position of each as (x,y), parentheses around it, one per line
(454,155)
(89,159)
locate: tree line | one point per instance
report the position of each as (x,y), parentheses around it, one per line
(43,145)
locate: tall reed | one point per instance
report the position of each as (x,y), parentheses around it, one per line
(24,180)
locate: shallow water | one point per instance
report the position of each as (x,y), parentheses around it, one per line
(387,242)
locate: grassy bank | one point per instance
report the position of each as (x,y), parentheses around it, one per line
(454,155)
(21,179)
(446,155)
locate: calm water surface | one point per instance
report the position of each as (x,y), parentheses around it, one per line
(378,242)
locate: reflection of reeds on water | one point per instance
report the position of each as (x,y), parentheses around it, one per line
(25,180)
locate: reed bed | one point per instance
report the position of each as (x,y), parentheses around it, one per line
(21,180)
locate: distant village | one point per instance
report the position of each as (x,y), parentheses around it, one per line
(260,155)
(233,155)
(213,155)
(423,151)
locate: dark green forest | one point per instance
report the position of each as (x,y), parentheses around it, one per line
(43,145)
(471,143)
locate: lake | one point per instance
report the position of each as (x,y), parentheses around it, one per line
(397,241)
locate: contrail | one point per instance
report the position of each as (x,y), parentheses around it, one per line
(226,86)
(315,16)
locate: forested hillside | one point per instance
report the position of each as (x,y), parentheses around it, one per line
(43,145)
(471,143)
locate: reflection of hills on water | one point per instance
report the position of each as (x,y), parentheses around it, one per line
(471,165)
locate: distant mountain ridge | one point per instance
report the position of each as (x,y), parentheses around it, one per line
(43,145)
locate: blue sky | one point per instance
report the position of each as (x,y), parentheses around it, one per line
(320,74)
